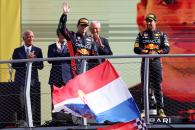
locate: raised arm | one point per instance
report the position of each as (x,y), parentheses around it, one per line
(66,8)
(63,19)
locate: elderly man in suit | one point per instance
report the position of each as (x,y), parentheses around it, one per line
(28,51)
(102,44)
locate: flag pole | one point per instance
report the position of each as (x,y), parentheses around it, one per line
(84,68)
(146,85)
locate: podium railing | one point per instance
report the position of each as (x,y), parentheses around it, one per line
(146,76)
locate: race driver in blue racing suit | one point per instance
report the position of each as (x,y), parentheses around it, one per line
(153,41)
(82,44)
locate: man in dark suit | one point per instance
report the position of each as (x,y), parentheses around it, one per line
(28,51)
(102,44)
(61,71)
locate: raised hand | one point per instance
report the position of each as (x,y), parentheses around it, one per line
(66,8)
(98,39)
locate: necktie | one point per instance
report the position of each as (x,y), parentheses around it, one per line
(27,51)
(62,48)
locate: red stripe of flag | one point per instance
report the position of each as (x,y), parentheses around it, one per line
(80,82)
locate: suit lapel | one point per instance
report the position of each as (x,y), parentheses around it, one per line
(32,49)
(23,51)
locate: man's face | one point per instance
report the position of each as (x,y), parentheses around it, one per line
(177,19)
(94,28)
(28,38)
(82,28)
(151,24)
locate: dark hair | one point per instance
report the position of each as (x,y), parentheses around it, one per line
(58,31)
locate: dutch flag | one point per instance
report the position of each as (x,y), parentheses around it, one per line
(99,93)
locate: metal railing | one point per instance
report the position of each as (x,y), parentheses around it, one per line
(146,76)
